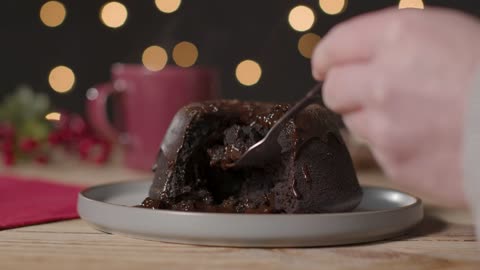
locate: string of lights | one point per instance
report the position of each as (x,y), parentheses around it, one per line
(248,72)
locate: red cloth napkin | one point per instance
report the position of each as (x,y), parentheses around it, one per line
(26,202)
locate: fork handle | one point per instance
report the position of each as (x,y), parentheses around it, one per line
(309,98)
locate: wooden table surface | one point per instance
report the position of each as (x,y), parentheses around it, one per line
(445,240)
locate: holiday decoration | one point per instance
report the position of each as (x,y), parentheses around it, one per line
(28,132)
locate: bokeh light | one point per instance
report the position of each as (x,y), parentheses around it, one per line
(185,54)
(53,116)
(53,13)
(168,6)
(307,43)
(248,72)
(113,14)
(154,58)
(332,7)
(61,79)
(301,18)
(92,94)
(418,4)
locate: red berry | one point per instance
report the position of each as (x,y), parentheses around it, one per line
(103,154)
(8,158)
(28,145)
(84,147)
(101,159)
(55,138)
(61,137)
(7,145)
(94,149)
(41,159)
(77,125)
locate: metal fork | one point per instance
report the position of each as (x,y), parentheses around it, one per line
(268,148)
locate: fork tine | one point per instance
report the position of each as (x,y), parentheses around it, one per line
(268,147)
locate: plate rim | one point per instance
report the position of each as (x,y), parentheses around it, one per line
(82,195)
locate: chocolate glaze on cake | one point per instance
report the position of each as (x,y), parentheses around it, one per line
(313,173)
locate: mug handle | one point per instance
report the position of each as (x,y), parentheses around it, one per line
(96,109)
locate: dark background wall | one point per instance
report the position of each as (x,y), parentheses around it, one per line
(225,33)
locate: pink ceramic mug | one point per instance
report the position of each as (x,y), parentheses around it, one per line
(147,103)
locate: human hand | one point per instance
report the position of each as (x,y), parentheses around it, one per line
(400,79)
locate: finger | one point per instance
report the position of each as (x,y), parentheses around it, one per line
(347,88)
(359,124)
(352,41)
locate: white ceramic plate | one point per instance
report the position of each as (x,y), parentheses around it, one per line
(383,213)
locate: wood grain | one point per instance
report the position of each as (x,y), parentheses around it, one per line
(444,240)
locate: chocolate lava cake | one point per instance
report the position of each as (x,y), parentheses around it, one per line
(312,174)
